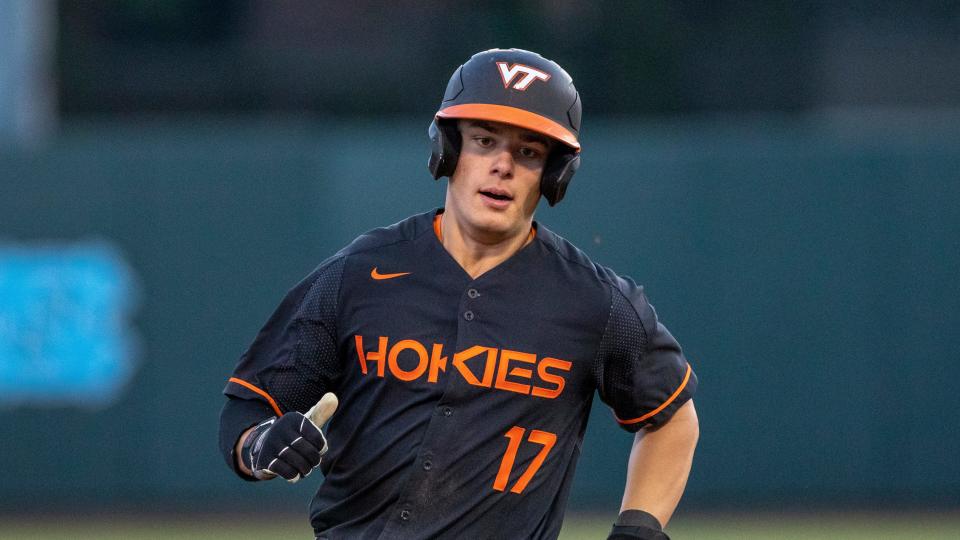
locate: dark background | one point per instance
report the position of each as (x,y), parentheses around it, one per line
(782,176)
(371,58)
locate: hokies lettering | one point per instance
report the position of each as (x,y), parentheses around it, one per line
(503,369)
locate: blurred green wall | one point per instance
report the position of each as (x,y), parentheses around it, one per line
(809,266)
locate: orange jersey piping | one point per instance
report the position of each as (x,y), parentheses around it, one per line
(669,400)
(253,388)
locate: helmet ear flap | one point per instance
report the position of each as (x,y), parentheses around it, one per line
(445,144)
(557,174)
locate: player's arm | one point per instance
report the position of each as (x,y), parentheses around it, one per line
(647,381)
(658,468)
(279,394)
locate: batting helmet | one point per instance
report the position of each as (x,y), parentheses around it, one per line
(516,87)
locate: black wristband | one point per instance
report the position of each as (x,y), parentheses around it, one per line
(638,518)
(637,525)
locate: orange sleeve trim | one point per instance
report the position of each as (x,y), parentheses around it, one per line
(686,378)
(253,388)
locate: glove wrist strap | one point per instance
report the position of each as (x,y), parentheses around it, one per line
(250,444)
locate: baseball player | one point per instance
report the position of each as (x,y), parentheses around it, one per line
(456,353)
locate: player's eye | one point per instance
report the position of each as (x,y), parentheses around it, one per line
(529,153)
(483,141)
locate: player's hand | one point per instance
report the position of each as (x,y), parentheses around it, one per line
(290,446)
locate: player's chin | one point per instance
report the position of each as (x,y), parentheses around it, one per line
(501,228)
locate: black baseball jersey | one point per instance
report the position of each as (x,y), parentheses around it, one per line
(463,402)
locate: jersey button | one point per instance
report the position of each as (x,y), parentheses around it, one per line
(447,411)
(473,293)
(468,315)
(427,465)
(405,515)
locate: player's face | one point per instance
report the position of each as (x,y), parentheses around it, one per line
(496,185)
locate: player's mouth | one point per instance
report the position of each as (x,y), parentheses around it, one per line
(495,197)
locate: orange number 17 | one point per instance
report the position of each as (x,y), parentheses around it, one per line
(516,436)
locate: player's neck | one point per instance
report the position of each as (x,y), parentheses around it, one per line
(478,252)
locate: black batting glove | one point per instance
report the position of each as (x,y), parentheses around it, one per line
(289,446)
(637,525)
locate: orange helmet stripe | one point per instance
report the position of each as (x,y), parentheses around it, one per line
(512,116)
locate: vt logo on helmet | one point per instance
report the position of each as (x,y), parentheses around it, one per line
(509,72)
(515,87)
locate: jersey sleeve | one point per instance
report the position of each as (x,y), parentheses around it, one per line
(642,373)
(293,361)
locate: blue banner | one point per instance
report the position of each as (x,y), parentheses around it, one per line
(65,332)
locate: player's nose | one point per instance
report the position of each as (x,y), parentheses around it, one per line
(503,163)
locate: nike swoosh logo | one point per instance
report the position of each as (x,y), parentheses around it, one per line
(377,275)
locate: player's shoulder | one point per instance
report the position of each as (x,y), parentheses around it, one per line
(569,257)
(406,230)
(329,272)
(572,258)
